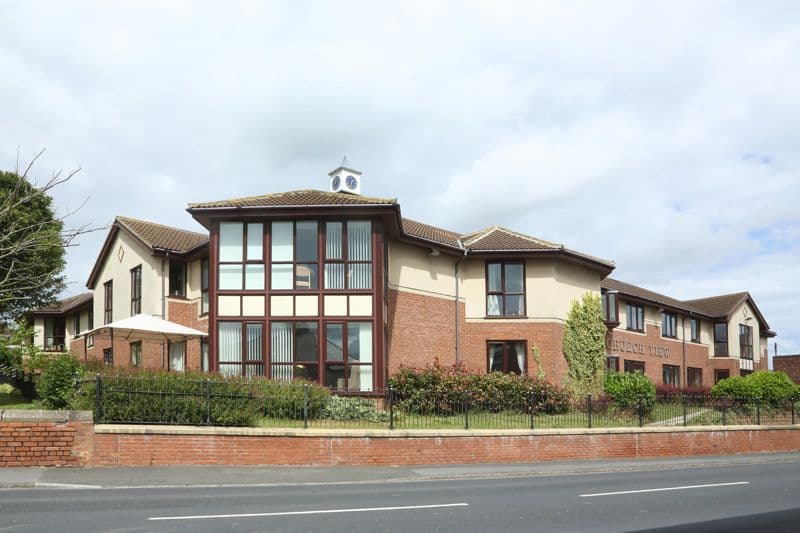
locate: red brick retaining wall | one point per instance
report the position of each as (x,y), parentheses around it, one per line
(45,438)
(156,446)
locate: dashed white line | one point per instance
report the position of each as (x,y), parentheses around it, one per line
(687,487)
(318,511)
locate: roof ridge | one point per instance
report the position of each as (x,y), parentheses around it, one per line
(530,237)
(432,226)
(123,218)
(283,194)
(475,236)
(738,293)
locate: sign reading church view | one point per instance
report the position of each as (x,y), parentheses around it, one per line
(653,350)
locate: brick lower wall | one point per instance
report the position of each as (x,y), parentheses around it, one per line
(45,438)
(789,364)
(159,446)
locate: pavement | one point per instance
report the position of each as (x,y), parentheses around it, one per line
(235,476)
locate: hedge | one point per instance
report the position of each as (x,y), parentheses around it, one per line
(769,388)
(631,392)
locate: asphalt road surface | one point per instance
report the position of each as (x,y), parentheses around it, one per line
(752,497)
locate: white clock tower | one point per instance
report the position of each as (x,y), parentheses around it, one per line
(345,179)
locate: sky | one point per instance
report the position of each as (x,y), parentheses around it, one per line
(662,135)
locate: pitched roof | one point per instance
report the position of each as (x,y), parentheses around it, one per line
(161,237)
(427,232)
(66,305)
(722,305)
(496,238)
(647,295)
(301,198)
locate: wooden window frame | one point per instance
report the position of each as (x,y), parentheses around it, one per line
(55,345)
(694,330)
(325,362)
(205,301)
(185,270)
(669,330)
(720,374)
(245,362)
(131,346)
(108,357)
(671,369)
(506,351)
(243,261)
(690,372)
(294,362)
(108,302)
(345,260)
(503,292)
(628,363)
(615,366)
(76,325)
(721,346)
(628,315)
(136,290)
(609,317)
(745,342)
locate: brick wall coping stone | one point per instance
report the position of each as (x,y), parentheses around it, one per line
(43,415)
(145,429)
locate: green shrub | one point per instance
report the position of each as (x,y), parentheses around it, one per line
(436,389)
(769,388)
(56,385)
(630,392)
(284,399)
(353,408)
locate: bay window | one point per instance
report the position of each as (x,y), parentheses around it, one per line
(505,289)
(241,256)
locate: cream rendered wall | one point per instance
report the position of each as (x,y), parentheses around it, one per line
(38,332)
(740,316)
(550,288)
(120,272)
(412,269)
(193,273)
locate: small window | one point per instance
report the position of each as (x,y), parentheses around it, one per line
(671,375)
(721,339)
(612,363)
(108,357)
(108,302)
(610,308)
(635,316)
(694,325)
(136,353)
(76,324)
(719,375)
(745,341)
(505,289)
(136,289)
(204,286)
(694,377)
(177,356)
(508,357)
(634,366)
(669,325)
(177,278)
(90,319)
(204,355)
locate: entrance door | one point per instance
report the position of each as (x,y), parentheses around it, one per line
(177,352)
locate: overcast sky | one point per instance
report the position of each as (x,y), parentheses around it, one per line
(663,136)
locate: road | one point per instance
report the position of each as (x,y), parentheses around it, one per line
(738,497)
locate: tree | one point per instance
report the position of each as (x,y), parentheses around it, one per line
(32,241)
(584,346)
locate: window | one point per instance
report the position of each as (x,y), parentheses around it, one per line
(76,324)
(54,334)
(108,302)
(295,259)
(694,377)
(241,349)
(635,316)
(610,307)
(508,357)
(177,278)
(505,289)
(204,286)
(745,341)
(634,366)
(744,373)
(204,355)
(669,325)
(108,357)
(241,256)
(294,349)
(90,319)
(136,289)
(719,375)
(671,375)
(694,325)
(136,353)
(90,341)
(612,363)
(177,356)
(348,255)
(721,339)
(348,355)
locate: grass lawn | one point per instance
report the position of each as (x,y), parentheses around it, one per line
(12,399)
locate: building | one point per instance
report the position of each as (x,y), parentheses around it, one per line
(789,364)
(339,288)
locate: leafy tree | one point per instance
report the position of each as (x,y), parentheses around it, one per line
(584,346)
(32,242)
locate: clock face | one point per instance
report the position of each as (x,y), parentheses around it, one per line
(351,182)
(336,181)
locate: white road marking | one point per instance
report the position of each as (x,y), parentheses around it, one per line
(665,488)
(320,511)
(66,486)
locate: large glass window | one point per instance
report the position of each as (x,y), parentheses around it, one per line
(694,377)
(54,334)
(505,289)
(136,290)
(506,357)
(348,355)
(669,325)
(671,375)
(694,325)
(720,339)
(108,302)
(295,257)
(745,341)
(635,316)
(348,255)
(294,350)
(241,350)
(241,256)
(177,278)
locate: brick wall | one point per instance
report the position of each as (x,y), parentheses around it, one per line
(239,446)
(45,438)
(789,364)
